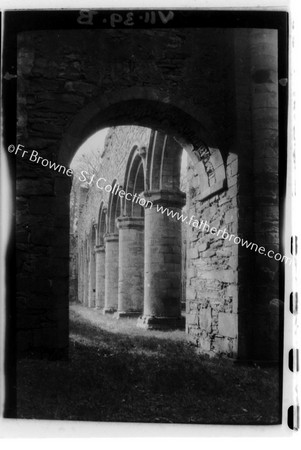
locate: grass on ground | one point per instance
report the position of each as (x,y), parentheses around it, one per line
(117,372)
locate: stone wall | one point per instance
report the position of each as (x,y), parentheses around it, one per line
(211,88)
(212,267)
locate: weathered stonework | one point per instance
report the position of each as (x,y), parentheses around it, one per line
(111,273)
(163,254)
(131,266)
(100,277)
(212,262)
(217,95)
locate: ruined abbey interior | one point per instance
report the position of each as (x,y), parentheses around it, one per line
(210,93)
(141,243)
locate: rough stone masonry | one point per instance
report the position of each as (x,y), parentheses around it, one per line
(211,91)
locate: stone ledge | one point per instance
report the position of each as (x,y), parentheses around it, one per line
(99,249)
(111,237)
(136,223)
(166,198)
(126,314)
(108,310)
(161,323)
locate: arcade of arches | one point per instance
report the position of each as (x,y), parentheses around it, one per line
(208,91)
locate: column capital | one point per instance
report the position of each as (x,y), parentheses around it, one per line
(130,223)
(112,237)
(164,197)
(99,248)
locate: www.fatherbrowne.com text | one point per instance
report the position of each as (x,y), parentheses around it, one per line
(138,198)
(192,221)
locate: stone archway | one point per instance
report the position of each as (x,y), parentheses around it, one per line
(160,166)
(132,109)
(137,106)
(155,170)
(200,142)
(223,96)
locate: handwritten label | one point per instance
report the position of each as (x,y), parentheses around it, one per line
(128,19)
(86,17)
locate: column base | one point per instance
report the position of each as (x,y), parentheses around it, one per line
(126,314)
(161,323)
(108,311)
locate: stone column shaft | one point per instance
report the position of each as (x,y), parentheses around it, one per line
(86,280)
(92,277)
(265,116)
(111,273)
(80,280)
(131,266)
(100,277)
(163,253)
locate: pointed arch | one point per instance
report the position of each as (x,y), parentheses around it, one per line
(134,182)
(101,223)
(191,125)
(114,209)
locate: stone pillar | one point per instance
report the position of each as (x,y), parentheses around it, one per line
(92,279)
(85,280)
(100,276)
(79,279)
(82,277)
(163,253)
(256,172)
(131,266)
(265,116)
(111,273)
